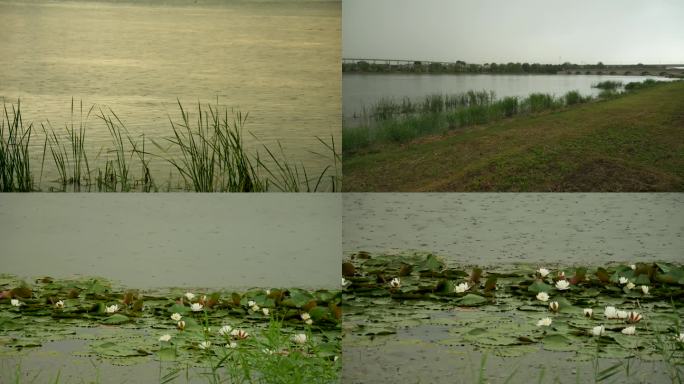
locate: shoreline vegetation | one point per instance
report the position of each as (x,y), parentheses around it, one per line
(221,336)
(208,148)
(620,141)
(461,67)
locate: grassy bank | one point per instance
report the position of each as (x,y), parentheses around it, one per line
(633,142)
(206,148)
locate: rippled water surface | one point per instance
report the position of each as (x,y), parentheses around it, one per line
(278,61)
(495,228)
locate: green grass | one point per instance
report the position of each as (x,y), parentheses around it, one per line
(633,142)
(15,165)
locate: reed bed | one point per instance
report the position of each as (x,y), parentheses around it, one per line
(206,149)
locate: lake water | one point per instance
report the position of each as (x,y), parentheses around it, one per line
(504,228)
(359,90)
(279,61)
(175,240)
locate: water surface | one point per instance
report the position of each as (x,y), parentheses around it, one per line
(279,61)
(175,240)
(359,90)
(501,228)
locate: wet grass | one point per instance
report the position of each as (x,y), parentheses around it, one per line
(608,85)
(632,142)
(207,150)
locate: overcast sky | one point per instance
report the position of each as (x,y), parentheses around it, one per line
(546,31)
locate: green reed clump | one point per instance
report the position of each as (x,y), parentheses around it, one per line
(538,102)
(573,97)
(68,150)
(641,85)
(608,85)
(15,165)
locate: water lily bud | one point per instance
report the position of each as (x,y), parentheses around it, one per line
(543,272)
(623,280)
(395,283)
(299,338)
(554,306)
(176,317)
(59,304)
(232,344)
(225,330)
(630,285)
(644,289)
(265,311)
(305,316)
(588,312)
(562,285)
(344,282)
(15,302)
(196,307)
(309,322)
(543,296)
(681,338)
(205,344)
(165,338)
(189,296)
(598,330)
(251,303)
(629,331)
(633,317)
(239,334)
(112,308)
(181,325)
(633,266)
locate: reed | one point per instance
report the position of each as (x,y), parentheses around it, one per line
(608,85)
(15,164)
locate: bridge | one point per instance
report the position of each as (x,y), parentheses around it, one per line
(350,60)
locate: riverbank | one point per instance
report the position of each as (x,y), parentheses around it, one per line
(630,143)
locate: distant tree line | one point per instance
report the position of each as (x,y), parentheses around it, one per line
(463,67)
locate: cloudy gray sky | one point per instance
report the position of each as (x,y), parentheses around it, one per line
(548,31)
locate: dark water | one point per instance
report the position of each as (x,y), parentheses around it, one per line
(493,228)
(278,61)
(359,90)
(175,240)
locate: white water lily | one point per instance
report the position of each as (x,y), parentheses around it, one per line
(232,344)
(611,312)
(344,282)
(598,330)
(59,304)
(308,322)
(545,322)
(680,338)
(176,317)
(395,283)
(255,308)
(251,303)
(225,330)
(462,287)
(623,280)
(588,312)
(267,351)
(299,338)
(644,289)
(543,296)
(189,295)
(196,307)
(562,285)
(630,285)
(112,308)
(265,311)
(165,338)
(181,325)
(629,331)
(554,306)
(305,316)
(16,302)
(622,314)
(543,272)
(205,344)
(633,266)
(239,334)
